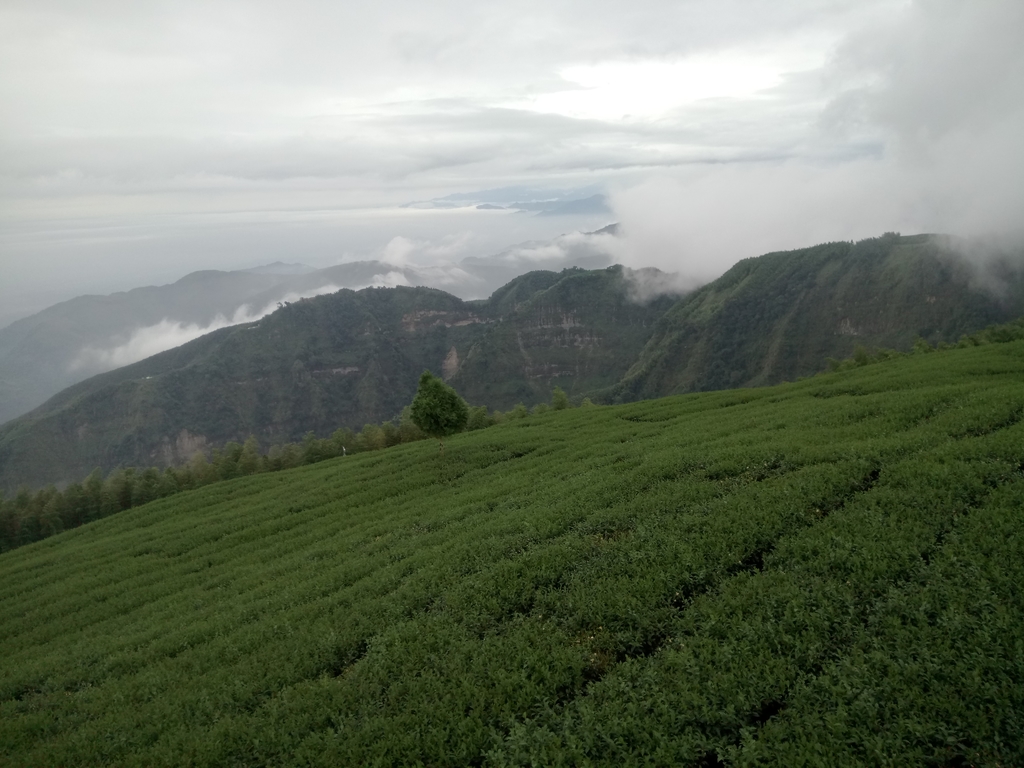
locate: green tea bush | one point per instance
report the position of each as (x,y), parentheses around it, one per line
(822,573)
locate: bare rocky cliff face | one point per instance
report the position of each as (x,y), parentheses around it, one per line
(180,450)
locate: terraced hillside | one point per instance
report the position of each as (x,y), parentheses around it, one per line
(825,572)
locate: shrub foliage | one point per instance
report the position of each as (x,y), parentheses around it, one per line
(824,572)
(437,409)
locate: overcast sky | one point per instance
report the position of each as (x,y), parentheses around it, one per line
(142,140)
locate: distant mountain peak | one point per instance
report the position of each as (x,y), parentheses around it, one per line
(280,268)
(611,229)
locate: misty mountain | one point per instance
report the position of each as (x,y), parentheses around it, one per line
(587,250)
(42,354)
(353,357)
(343,359)
(580,332)
(779,316)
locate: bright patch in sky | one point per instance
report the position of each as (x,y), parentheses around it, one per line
(650,89)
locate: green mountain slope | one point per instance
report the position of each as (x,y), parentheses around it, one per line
(71,341)
(39,355)
(820,572)
(580,333)
(779,316)
(353,357)
(341,360)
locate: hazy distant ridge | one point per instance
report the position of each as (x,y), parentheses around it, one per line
(53,349)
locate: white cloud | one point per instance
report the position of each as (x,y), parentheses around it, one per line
(168,334)
(649,283)
(398,250)
(701,221)
(406,251)
(648,90)
(388,280)
(865,114)
(565,248)
(933,92)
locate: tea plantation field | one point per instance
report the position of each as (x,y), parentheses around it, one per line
(829,572)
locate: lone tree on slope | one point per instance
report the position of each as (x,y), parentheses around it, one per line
(559,400)
(437,409)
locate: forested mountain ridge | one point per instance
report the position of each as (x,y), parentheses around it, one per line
(38,353)
(580,333)
(779,316)
(340,360)
(353,357)
(71,341)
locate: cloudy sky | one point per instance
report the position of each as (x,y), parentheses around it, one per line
(141,140)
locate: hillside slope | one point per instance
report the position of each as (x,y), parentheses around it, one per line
(40,355)
(779,316)
(71,341)
(340,360)
(353,358)
(581,333)
(756,577)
